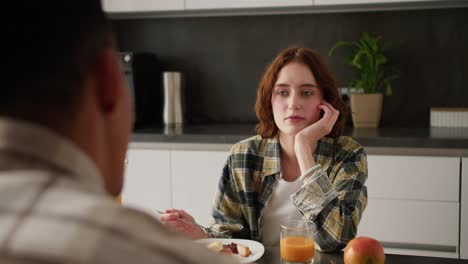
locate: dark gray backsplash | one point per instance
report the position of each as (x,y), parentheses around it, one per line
(223,57)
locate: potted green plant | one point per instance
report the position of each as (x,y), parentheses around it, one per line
(373,78)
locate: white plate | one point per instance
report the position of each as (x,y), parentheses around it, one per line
(255,247)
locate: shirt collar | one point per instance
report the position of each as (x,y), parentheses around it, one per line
(46,145)
(271,157)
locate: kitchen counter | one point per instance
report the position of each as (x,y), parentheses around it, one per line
(337,258)
(410,141)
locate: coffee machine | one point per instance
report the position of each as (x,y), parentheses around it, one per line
(143,73)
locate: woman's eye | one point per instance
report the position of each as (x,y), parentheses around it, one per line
(308,93)
(282,93)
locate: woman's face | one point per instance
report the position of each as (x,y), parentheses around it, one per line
(295,99)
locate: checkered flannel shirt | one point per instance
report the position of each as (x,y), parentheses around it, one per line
(333,197)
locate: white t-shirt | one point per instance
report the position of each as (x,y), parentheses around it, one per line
(278,208)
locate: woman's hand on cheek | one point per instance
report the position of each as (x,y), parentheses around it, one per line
(306,140)
(314,132)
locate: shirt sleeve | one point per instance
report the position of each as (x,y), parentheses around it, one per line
(335,206)
(227,209)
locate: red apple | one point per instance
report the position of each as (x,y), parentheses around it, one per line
(364,250)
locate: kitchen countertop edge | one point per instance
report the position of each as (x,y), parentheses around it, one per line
(377,141)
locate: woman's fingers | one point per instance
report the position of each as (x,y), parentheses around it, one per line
(327,114)
(331,109)
(185,215)
(168,211)
(169,217)
(172,215)
(330,115)
(172,219)
(188,230)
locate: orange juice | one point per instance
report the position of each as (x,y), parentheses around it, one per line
(297,249)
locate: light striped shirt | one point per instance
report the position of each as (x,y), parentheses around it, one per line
(53,209)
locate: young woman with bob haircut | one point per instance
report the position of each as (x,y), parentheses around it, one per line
(298,166)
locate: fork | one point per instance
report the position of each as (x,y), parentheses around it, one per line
(204,228)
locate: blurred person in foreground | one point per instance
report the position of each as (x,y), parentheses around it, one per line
(298,166)
(65,120)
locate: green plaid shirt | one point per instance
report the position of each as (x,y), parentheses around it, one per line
(333,197)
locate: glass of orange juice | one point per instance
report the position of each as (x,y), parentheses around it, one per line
(296,241)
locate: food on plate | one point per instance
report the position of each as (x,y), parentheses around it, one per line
(244,251)
(364,250)
(229,249)
(215,246)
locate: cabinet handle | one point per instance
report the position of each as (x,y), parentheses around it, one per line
(417,246)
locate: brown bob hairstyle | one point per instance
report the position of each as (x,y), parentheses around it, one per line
(325,81)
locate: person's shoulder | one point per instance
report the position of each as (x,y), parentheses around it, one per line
(350,143)
(89,209)
(124,229)
(347,144)
(253,145)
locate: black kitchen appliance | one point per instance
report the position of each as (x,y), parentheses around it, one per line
(143,73)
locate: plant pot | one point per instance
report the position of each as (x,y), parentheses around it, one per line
(366,109)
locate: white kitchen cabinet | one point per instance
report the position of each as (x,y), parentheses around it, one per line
(116,6)
(195,177)
(412,227)
(147,184)
(352,2)
(227,4)
(413,177)
(464,211)
(122,8)
(413,204)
